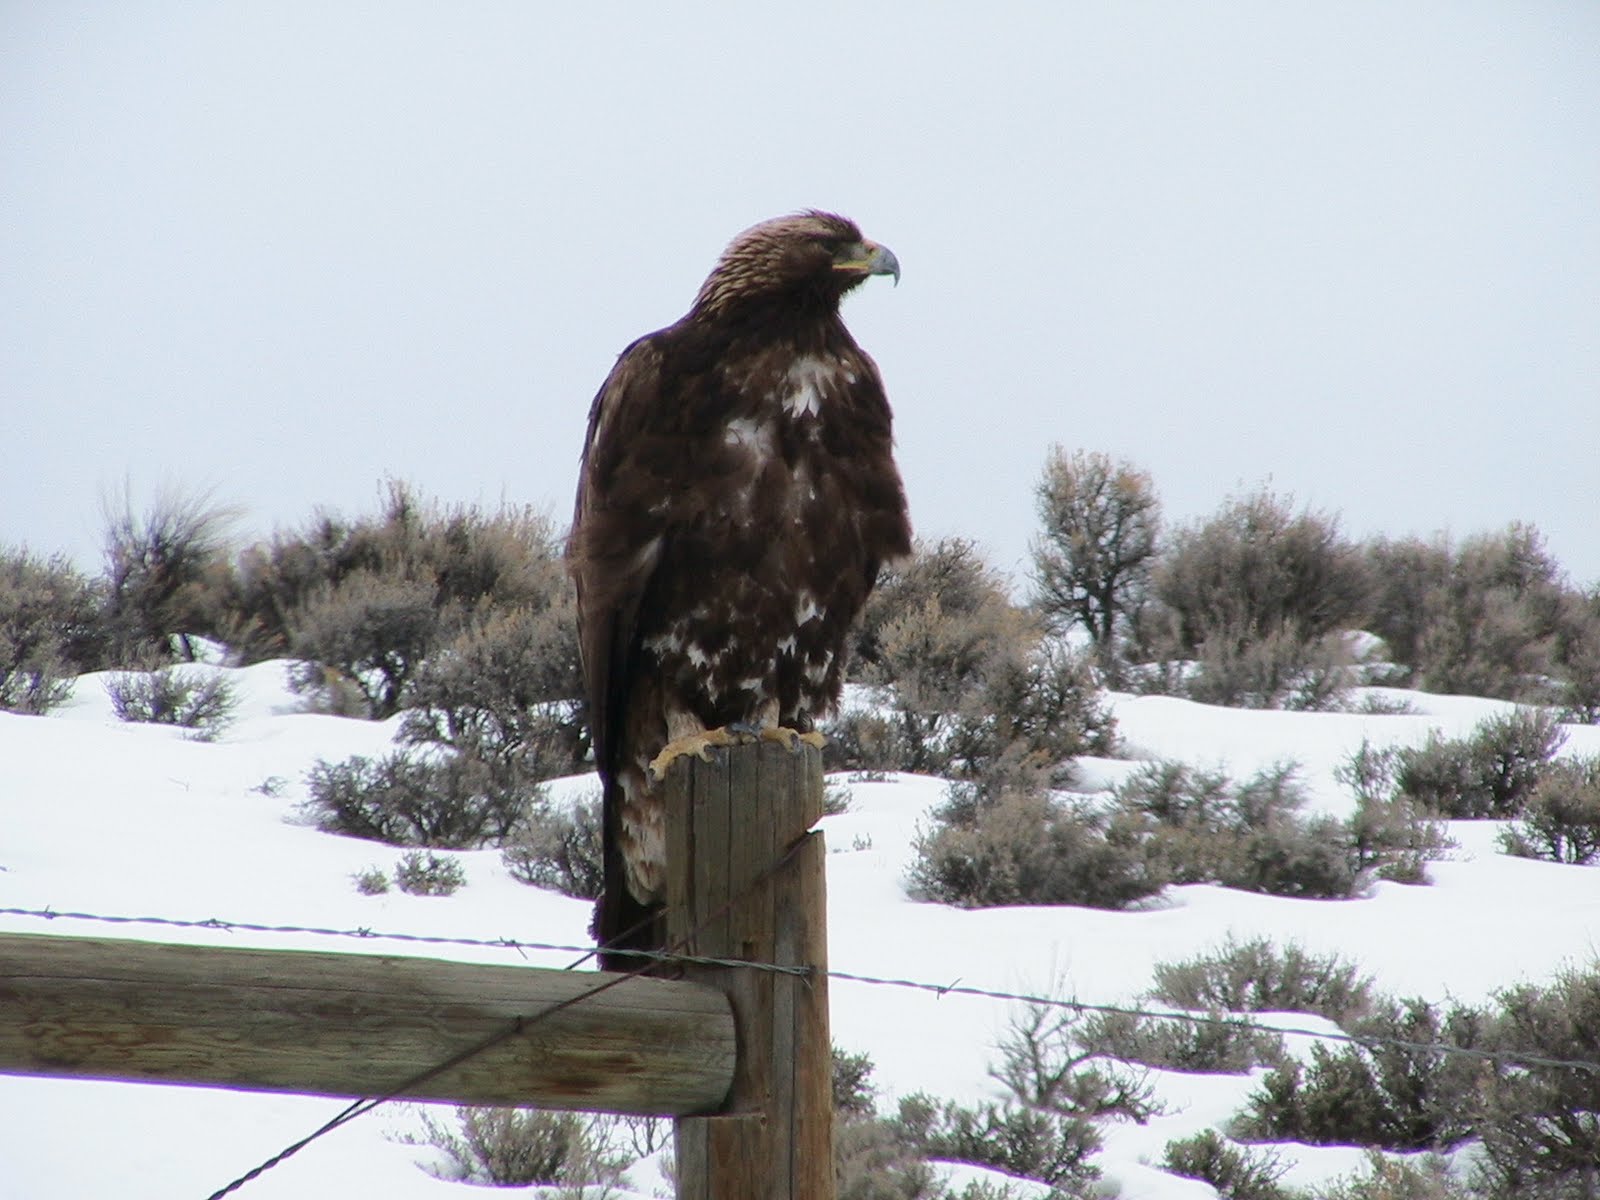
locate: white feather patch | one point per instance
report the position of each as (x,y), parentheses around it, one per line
(807,379)
(754,436)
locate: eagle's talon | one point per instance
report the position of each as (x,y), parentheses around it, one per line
(699,745)
(783,735)
(792,739)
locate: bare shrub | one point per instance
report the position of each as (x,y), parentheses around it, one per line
(1400,1088)
(519,1147)
(491,721)
(160,568)
(424,873)
(559,847)
(970,686)
(1375,704)
(1048,1062)
(1370,772)
(1384,1094)
(444,801)
(198,699)
(371,599)
(1202,827)
(1024,848)
(34,685)
(1256,976)
(1494,625)
(1493,616)
(1177,795)
(1541,1131)
(1495,648)
(1390,832)
(1398,1179)
(508,557)
(861,739)
(935,660)
(837,798)
(1561,820)
(504,690)
(1578,656)
(950,571)
(1236,1172)
(874,1159)
(888,1158)
(49,630)
(371,630)
(1296,857)
(1281,668)
(1256,569)
(1185,819)
(850,1076)
(1220,1045)
(1489,774)
(1246,608)
(1395,839)
(1406,574)
(1050,1147)
(274,580)
(1039,706)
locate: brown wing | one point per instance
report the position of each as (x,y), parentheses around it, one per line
(612,552)
(614,544)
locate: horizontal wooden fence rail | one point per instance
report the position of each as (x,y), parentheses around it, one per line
(360,1025)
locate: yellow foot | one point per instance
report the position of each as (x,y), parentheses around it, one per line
(792,739)
(699,744)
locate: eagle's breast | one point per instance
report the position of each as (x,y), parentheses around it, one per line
(772,571)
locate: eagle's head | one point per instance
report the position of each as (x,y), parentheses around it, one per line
(809,257)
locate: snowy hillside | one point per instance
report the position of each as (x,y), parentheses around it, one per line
(100,816)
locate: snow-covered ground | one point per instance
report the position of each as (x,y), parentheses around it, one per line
(100,816)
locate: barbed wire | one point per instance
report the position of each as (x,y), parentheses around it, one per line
(652,957)
(362,933)
(1368,1041)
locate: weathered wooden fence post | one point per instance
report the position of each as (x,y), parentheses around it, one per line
(746,881)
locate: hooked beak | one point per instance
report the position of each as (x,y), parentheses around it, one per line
(869,258)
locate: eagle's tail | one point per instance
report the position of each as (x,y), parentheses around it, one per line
(620,921)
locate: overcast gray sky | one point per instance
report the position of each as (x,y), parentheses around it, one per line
(285,250)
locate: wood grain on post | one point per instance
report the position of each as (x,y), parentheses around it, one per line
(746,880)
(358,1025)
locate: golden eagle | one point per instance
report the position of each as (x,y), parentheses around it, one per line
(737,497)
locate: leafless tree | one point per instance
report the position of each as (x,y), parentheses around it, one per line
(1093,559)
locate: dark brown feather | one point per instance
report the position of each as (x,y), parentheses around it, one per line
(738,495)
